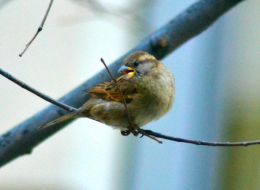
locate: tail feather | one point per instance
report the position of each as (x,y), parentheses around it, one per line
(60,120)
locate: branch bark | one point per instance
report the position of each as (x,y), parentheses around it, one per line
(198,17)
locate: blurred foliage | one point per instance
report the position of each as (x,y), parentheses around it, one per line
(241,167)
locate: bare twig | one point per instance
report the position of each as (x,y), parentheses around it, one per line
(141,131)
(131,125)
(198,17)
(203,143)
(37,93)
(40,28)
(120,91)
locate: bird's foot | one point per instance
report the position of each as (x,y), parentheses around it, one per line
(132,129)
(127,132)
(137,132)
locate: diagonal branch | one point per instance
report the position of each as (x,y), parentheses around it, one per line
(37,93)
(198,17)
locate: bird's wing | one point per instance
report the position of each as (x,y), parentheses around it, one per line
(109,90)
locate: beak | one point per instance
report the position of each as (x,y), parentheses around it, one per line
(125,70)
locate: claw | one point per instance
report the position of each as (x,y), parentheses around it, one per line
(135,132)
(125,133)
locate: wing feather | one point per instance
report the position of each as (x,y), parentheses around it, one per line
(109,90)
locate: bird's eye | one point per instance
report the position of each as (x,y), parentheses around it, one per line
(136,64)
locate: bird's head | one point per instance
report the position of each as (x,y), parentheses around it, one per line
(138,64)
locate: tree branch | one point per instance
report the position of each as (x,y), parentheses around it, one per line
(37,93)
(198,17)
(40,28)
(199,142)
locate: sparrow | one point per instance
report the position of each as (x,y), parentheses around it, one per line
(145,87)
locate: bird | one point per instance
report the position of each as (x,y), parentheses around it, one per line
(144,92)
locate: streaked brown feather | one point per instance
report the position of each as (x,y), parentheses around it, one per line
(109,90)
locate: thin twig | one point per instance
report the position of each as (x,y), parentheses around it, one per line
(131,125)
(36,92)
(203,143)
(140,131)
(120,91)
(40,28)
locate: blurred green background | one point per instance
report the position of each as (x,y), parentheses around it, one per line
(217,85)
